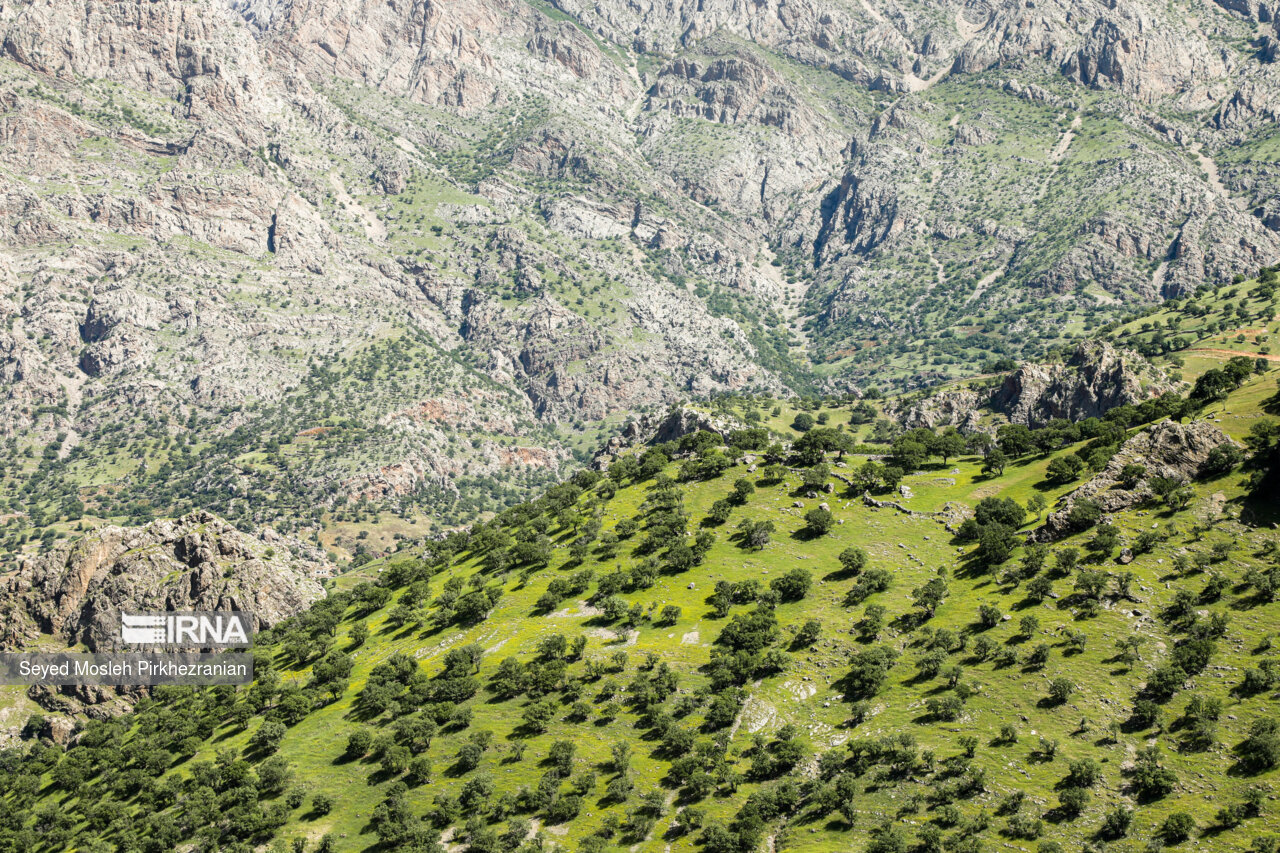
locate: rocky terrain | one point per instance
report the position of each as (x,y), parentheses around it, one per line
(417,257)
(1092,379)
(1169,450)
(76,592)
(651,429)
(72,596)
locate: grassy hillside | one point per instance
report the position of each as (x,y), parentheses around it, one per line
(1190,336)
(871,680)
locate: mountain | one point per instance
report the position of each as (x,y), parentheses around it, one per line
(767,623)
(307,263)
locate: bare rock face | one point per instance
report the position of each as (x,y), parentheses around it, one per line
(683,421)
(1167,449)
(958,408)
(1095,379)
(198,562)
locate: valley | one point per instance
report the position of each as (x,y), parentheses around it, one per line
(702,426)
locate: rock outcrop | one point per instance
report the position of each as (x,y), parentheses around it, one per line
(74,594)
(1093,380)
(658,429)
(953,407)
(682,421)
(1166,449)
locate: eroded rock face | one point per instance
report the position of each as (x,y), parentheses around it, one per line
(75,594)
(683,421)
(1095,379)
(1167,449)
(657,429)
(958,408)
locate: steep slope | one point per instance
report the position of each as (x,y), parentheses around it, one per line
(239,235)
(71,598)
(663,658)
(198,562)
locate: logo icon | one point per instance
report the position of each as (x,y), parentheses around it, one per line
(139,630)
(201,630)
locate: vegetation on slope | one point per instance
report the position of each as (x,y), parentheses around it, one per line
(723,646)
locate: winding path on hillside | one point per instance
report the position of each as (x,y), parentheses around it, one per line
(1232,353)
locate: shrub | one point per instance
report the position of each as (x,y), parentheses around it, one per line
(819,521)
(1117,822)
(1073,801)
(853,560)
(1084,513)
(808,633)
(1060,690)
(1177,827)
(792,586)
(359,742)
(268,736)
(1151,779)
(1261,749)
(1083,773)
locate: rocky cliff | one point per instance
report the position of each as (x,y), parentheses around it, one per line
(657,429)
(1167,449)
(74,595)
(960,407)
(1094,379)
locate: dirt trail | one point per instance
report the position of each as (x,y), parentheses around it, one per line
(1215,180)
(1060,150)
(986,282)
(1157,279)
(373,227)
(1231,353)
(966,28)
(792,296)
(941,279)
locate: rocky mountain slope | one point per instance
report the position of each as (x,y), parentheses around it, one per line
(1089,381)
(414,256)
(72,597)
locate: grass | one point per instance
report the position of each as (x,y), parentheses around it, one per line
(808,694)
